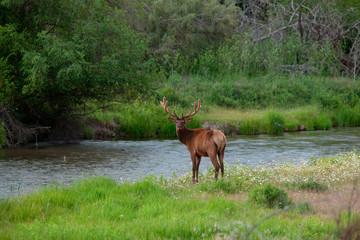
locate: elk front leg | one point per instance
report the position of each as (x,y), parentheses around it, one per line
(193,159)
(198,159)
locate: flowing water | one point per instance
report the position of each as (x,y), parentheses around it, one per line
(29,167)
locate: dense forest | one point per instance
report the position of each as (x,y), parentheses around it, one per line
(61,60)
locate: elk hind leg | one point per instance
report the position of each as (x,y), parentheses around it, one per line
(193,159)
(214,161)
(221,160)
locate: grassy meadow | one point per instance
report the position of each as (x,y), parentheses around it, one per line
(156,208)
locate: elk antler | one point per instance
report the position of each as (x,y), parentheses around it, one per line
(191,113)
(164,104)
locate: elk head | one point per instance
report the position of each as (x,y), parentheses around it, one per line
(180,122)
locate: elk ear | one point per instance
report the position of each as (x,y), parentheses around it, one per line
(188,120)
(172,120)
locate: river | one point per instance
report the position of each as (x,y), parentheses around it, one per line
(29,167)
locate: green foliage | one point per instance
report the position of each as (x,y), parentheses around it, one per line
(322,122)
(347,117)
(61,56)
(179,30)
(241,55)
(310,185)
(267,91)
(270,196)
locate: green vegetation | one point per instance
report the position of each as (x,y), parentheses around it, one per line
(262,92)
(139,120)
(100,208)
(63,58)
(58,55)
(270,196)
(238,106)
(309,184)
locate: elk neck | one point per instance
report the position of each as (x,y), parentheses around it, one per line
(184,134)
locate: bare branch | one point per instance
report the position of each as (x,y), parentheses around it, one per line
(275,32)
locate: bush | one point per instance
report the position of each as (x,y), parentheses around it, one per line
(270,196)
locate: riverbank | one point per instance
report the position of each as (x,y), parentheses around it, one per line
(236,104)
(101,208)
(148,120)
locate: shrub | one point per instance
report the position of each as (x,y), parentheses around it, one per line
(270,196)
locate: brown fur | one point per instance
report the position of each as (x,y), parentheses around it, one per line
(204,143)
(199,142)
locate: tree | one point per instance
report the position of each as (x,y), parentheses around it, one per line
(186,28)
(60,54)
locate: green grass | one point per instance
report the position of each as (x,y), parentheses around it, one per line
(101,208)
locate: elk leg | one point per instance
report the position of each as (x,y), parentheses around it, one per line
(198,159)
(193,159)
(214,161)
(221,160)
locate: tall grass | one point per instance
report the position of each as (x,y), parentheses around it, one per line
(141,120)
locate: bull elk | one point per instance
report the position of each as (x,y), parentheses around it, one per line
(199,142)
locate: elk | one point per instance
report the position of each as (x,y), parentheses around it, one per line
(199,142)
